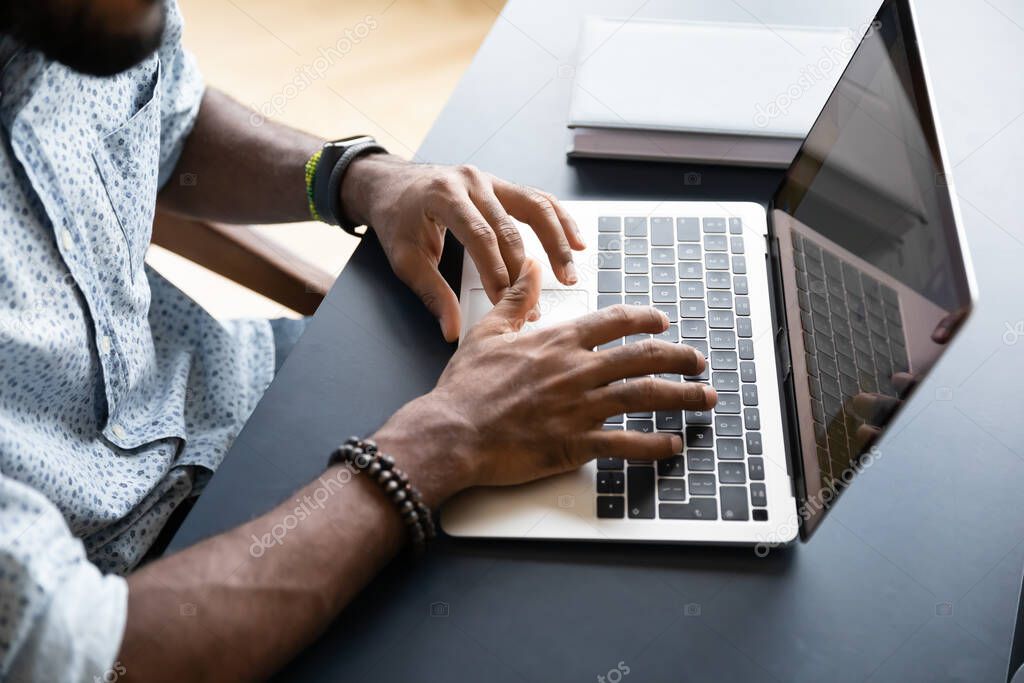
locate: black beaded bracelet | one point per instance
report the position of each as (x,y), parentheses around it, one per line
(362,454)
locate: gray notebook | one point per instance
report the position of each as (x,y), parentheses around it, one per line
(709,92)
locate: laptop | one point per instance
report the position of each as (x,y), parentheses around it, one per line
(818,317)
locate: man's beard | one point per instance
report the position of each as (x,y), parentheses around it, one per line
(75,37)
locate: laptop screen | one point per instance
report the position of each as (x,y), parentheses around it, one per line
(873,272)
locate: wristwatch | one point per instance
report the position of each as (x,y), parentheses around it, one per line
(329,166)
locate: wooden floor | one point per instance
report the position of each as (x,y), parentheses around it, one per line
(332,67)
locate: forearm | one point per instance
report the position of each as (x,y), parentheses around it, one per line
(238,172)
(246,592)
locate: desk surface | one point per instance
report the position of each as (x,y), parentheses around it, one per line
(914,576)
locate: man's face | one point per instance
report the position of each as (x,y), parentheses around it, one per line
(98,37)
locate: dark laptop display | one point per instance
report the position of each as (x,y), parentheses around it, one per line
(873,270)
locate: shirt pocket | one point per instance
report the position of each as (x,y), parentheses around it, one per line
(128,161)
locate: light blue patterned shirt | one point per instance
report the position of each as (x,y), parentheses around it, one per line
(118,395)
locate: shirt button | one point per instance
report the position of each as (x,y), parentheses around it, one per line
(119,431)
(65,237)
(104,344)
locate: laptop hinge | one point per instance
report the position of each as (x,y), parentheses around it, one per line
(787,393)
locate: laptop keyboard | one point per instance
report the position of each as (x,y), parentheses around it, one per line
(854,342)
(693,270)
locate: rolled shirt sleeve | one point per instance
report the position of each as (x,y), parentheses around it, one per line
(60,618)
(181,94)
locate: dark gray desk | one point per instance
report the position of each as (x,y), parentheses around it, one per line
(915,575)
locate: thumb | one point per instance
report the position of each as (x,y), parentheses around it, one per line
(518,301)
(435,293)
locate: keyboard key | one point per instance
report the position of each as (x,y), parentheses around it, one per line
(610,507)
(744,328)
(756,468)
(739,265)
(637,265)
(671,311)
(746,347)
(740,285)
(698,417)
(671,489)
(732,473)
(609,224)
(664,294)
(609,281)
(669,420)
(670,335)
(611,482)
(751,417)
(637,300)
(609,463)
(723,339)
(688,251)
(749,393)
(718,280)
(635,245)
(699,437)
(715,243)
(687,230)
(716,261)
(760,515)
(608,242)
(721,318)
(609,260)
(616,419)
(736,245)
(693,329)
(700,460)
(640,492)
(729,449)
(672,467)
(606,300)
(690,270)
(719,299)
(747,371)
(691,308)
(754,446)
(663,256)
(734,503)
(645,426)
(663,274)
(726,381)
(702,484)
(758,495)
(729,404)
(636,226)
(714,225)
(661,232)
(637,284)
(689,289)
(698,508)
(723,360)
(735,226)
(742,305)
(728,425)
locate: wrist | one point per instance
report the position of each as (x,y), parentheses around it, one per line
(430,447)
(363,183)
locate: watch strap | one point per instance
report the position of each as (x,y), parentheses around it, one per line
(337,174)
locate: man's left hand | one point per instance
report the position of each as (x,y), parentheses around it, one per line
(410,206)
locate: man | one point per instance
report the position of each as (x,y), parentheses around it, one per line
(119,396)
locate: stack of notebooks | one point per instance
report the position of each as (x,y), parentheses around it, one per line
(741,94)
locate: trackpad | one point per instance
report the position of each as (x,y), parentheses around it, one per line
(556,306)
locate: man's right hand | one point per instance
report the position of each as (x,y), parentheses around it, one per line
(513,406)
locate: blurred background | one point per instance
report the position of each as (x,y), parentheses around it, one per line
(333,68)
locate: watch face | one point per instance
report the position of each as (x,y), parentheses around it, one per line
(349,141)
